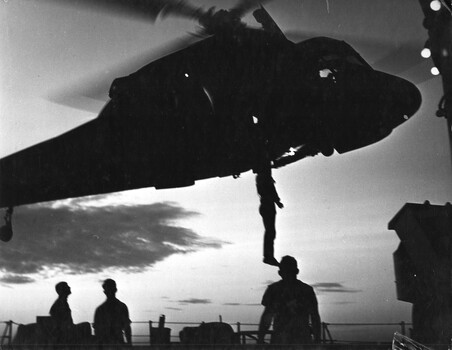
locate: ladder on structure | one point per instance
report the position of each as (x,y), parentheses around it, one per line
(7,336)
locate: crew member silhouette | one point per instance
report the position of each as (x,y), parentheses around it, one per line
(268,198)
(64,331)
(63,328)
(111,319)
(290,304)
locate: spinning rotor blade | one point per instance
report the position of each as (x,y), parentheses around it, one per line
(87,93)
(84,93)
(245,6)
(145,9)
(395,59)
(151,9)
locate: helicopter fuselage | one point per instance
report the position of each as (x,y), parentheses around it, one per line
(217,108)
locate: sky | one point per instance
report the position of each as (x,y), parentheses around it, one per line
(194,253)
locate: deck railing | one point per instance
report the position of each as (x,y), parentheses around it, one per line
(246,333)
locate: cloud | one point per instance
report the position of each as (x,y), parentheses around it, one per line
(240,304)
(173,308)
(327,287)
(195,301)
(333,287)
(80,239)
(16,279)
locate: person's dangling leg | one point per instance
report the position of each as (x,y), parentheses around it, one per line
(268,217)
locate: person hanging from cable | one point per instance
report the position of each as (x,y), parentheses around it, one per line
(265,184)
(268,199)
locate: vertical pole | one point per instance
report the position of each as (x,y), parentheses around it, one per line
(238,331)
(2,339)
(402,327)
(150,332)
(449,119)
(10,337)
(439,27)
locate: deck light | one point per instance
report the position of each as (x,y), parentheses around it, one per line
(435,5)
(426,53)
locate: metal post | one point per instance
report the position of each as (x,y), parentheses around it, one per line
(7,334)
(150,332)
(402,326)
(10,337)
(161,321)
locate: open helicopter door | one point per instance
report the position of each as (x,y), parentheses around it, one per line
(268,23)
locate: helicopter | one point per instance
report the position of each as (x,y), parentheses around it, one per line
(236,99)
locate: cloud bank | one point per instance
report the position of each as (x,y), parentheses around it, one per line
(80,239)
(15,279)
(195,301)
(333,287)
(240,304)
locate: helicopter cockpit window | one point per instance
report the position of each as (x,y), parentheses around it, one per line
(333,63)
(331,58)
(354,60)
(339,60)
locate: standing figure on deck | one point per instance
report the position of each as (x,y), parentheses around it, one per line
(111,319)
(292,306)
(61,316)
(64,331)
(268,197)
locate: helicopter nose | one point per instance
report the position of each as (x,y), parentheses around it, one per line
(413,99)
(401,98)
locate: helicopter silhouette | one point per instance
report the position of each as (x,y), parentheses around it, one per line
(236,99)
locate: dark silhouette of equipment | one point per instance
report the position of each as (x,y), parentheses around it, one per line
(422,264)
(40,334)
(193,114)
(208,333)
(160,334)
(6,231)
